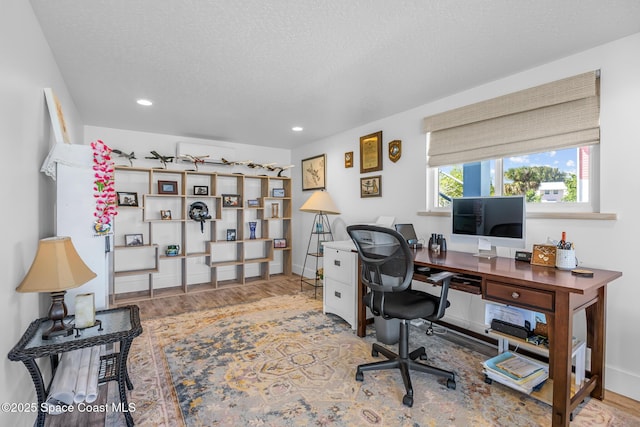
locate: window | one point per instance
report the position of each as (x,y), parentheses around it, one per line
(541,142)
(559,179)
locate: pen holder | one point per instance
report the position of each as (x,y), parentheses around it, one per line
(566,259)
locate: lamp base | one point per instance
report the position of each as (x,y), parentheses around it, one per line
(57,313)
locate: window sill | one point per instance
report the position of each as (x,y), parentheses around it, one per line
(545,215)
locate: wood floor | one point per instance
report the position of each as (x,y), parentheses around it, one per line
(278,285)
(233,294)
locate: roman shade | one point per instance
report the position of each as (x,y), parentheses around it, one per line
(560,114)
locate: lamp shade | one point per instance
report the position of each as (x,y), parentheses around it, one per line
(320,202)
(57,267)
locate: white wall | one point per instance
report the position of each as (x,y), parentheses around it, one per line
(27,67)
(600,244)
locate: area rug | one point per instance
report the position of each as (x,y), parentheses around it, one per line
(282,362)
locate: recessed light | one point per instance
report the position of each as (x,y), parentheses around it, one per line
(297,128)
(144,102)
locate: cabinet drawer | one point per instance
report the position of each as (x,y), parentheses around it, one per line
(519,296)
(340,265)
(339,299)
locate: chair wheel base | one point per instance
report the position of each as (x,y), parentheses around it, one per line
(359,376)
(407,400)
(451,384)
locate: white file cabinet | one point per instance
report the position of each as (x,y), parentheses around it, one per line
(341,280)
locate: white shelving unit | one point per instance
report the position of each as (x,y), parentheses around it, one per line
(206,260)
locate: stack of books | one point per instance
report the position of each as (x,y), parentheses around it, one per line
(516,371)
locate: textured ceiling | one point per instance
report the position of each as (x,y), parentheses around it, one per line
(248,70)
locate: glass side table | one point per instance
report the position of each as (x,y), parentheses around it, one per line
(120,325)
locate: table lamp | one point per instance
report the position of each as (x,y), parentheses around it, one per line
(56,268)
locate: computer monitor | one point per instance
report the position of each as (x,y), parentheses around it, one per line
(408,232)
(489,222)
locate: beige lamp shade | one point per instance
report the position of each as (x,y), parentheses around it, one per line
(320,202)
(57,267)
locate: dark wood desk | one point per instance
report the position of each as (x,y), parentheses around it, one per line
(556,293)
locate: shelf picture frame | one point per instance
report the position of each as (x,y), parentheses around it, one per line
(280,243)
(126,198)
(230,200)
(231,234)
(165,214)
(200,190)
(277,192)
(167,187)
(133,240)
(371,186)
(253,203)
(371,152)
(314,173)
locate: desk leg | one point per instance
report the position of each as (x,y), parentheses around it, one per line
(38,382)
(361,320)
(560,344)
(123,380)
(596,330)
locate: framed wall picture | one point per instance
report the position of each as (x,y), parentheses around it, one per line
(279,243)
(60,130)
(313,173)
(371,186)
(348,159)
(133,240)
(167,187)
(127,199)
(201,190)
(230,200)
(371,152)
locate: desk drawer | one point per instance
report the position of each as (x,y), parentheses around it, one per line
(340,265)
(519,296)
(340,299)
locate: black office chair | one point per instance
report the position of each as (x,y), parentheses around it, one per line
(387,270)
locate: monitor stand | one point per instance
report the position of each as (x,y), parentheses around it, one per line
(486,250)
(487,254)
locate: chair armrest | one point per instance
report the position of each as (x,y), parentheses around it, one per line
(443,279)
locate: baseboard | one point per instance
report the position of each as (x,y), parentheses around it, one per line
(624,383)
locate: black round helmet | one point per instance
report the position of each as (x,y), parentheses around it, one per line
(198,211)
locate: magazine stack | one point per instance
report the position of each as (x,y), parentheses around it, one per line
(516,371)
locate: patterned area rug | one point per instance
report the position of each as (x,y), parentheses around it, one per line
(281,362)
